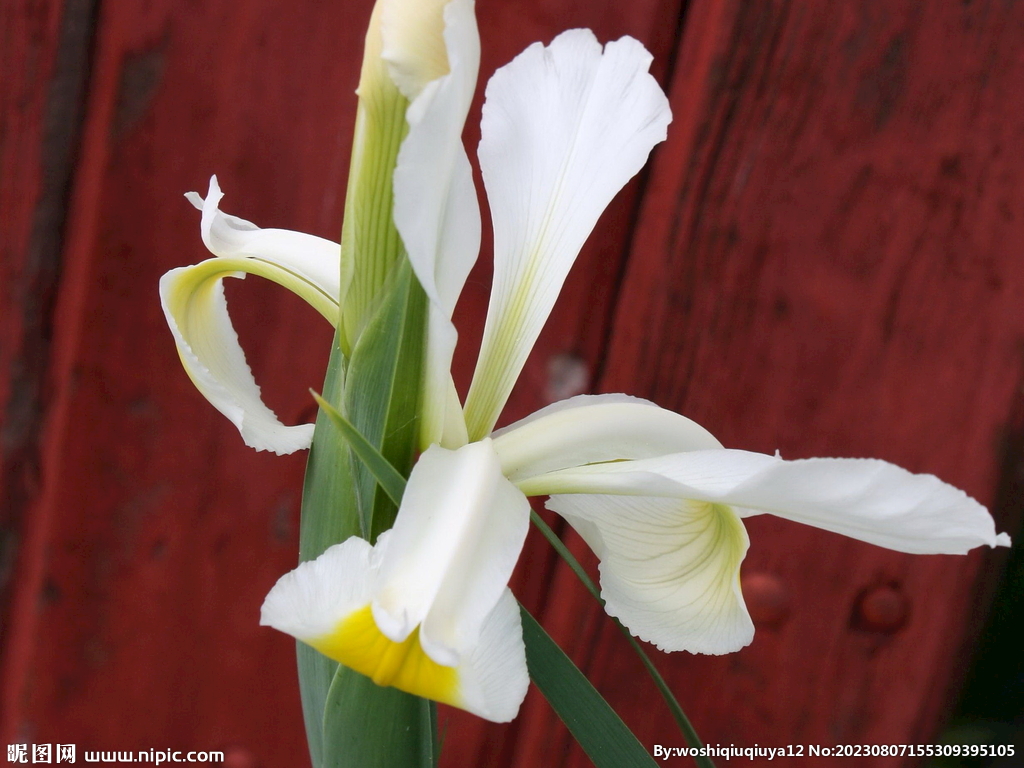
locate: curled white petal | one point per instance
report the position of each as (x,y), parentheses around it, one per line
(564,128)
(436,210)
(866,499)
(313,259)
(669,568)
(196,311)
(456,539)
(594,428)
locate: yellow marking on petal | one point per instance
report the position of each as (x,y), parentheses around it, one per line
(357,643)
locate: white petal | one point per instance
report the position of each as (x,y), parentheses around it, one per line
(197,314)
(866,499)
(564,128)
(669,568)
(308,602)
(589,428)
(196,311)
(457,536)
(325,603)
(436,210)
(316,260)
(492,677)
(453,433)
(413,43)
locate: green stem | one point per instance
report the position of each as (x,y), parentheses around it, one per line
(677,711)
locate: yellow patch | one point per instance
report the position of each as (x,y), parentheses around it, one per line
(357,643)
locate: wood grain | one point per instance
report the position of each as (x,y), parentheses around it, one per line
(827,263)
(822,259)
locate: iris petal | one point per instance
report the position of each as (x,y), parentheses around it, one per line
(196,311)
(564,128)
(594,428)
(326,603)
(436,210)
(865,499)
(669,568)
(455,542)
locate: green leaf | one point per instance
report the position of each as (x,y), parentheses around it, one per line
(377,390)
(595,726)
(370,245)
(367,726)
(388,478)
(329,516)
(382,393)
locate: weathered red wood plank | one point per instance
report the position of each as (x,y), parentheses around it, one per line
(160,532)
(39,93)
(165,528)
(827,263)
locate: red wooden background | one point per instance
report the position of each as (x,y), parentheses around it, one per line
(824,259)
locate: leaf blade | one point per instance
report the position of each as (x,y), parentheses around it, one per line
(368,726)
(388,478)
(326,520)
(601,733)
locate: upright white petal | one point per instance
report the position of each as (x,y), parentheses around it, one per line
(669,568)
(564,128)
(436,210)
(456,539)
(196,312)
(594,428)
(866,499)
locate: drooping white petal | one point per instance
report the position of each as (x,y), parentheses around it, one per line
(866,499)
(436,210)
(593,428)
(196,311)
(564,128)
(310,601)
(314,259)
(493,677)
(669,568)
(326,604)
(457,536)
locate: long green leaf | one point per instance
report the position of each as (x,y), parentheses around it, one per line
(378,391)
(382,392)
(607,740)
(380,400)
(389,478)
(329,516)
(367,726)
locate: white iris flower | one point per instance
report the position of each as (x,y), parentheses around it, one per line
(659,500)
